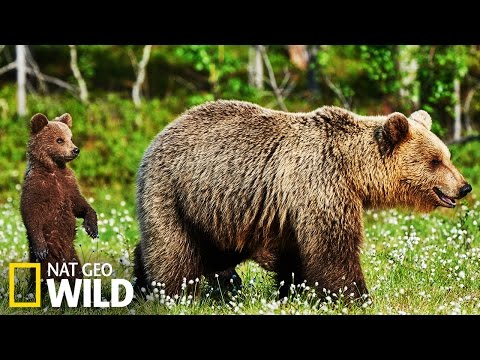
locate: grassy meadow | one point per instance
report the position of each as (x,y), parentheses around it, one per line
(413,263)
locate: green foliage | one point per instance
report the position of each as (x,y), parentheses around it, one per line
(339,65)
(438,67)
(380,63)
(366,75)
(199,99)
(437,129)
(220,64)
(88,56)
(468,156)
(366,78)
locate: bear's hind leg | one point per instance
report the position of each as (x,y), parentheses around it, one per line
(169,256)
(139,271)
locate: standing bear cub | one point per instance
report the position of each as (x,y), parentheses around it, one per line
(230,181)
(51,199)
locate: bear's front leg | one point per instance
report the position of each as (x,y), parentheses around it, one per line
(39,250)
(336,275)
(90,223)
(82,209)
(330,253)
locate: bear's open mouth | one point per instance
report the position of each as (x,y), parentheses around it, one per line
(70,158)
(446,201)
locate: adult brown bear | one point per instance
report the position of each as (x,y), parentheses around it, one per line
(229,181)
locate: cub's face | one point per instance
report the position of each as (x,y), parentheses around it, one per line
(426,176)
(52,140)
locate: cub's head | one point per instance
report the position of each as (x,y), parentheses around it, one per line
(423,174)
(51,141)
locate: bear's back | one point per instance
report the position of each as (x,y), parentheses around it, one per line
(221,129)
(226,116)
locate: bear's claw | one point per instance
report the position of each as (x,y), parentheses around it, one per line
(41,254)
(92,231)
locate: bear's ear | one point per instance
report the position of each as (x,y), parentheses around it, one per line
(423,118)
(66,119)
(392,133)
(38,122)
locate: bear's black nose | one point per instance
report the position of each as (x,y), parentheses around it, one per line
(76,151)
(465,190)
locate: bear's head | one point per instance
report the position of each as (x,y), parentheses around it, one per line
(51,141)
(422,172)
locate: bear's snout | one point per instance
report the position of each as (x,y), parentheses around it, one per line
(75,151)
(464,190)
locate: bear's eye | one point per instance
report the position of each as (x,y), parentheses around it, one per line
(59,141)
(436,162)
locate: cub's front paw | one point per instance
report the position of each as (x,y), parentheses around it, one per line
(40,252)
(91,229)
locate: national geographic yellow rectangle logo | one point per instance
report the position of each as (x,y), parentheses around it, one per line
(11,278)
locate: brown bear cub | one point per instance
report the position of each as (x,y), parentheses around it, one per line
(230,181)
(51,199)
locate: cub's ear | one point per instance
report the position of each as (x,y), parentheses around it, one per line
(392,133)
(423,118)
(38,122)
(66,119)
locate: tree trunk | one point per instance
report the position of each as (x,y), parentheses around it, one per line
(21,80)
(457,125)
(408,67)
(142,65)
(251,65)
(466,108)
(78,75)
(312,51)
(255,67)
(271,76)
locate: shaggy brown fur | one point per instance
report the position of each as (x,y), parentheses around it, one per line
(51,199)
(229,181)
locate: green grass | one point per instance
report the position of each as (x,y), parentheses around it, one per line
(414,264)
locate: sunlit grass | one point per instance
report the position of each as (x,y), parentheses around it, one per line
(413,263)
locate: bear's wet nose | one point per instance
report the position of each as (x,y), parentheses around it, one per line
(465,189)
(76,151)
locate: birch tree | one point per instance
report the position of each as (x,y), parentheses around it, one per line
(140,71)
(457,124)
(82,86)
(466,107)
(459,53)
(21,80)
(408,67)
(255,67)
